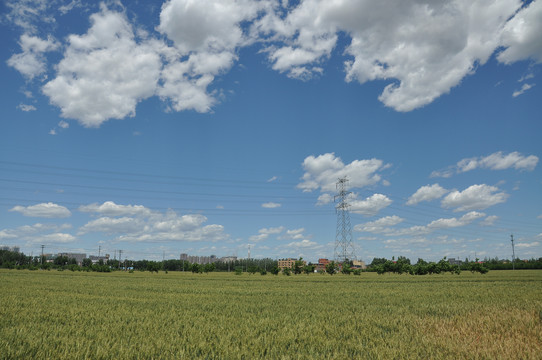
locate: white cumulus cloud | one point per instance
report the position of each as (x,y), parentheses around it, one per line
(495,161)
(31,62)
(475,197)
(105,72)
(426,193)
(427,47)
(43,210)
(371,205)
(381,225)
(109,208)
(323,171)
(521,35)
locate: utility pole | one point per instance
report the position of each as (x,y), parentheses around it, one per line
(120,257)
(42,254)
(513,253)
(344,248)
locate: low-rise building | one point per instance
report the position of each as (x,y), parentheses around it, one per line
(96,259)
(454,261)
(78,257)
(358,264)
(286,263)
(321,266)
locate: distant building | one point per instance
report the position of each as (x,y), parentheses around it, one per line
(96,259)
(202,260)
(454,261)
(321,266)
(78,257)
(10,248)
(358,264)
(226,259)
(288,263)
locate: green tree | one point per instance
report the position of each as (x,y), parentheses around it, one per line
(308,269)
(154,266)
(346,268)
(297,267)
(253,269)
(87,262)
(331,267)
(195,268)
(209,268)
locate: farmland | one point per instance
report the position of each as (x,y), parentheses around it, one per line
(79,315)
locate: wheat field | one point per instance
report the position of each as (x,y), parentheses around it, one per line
(119,315)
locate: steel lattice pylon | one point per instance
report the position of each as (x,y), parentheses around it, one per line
(344,247)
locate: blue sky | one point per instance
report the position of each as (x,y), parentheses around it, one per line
(158,128)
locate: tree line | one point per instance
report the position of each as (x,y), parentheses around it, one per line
(17,260)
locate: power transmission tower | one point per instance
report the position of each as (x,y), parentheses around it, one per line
(513,253)
(344,247)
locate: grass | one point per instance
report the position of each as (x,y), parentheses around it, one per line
(51,314)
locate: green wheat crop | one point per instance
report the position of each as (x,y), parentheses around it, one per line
(73,315)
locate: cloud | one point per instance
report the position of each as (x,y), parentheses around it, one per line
(527,245)
(206,35)
(61,238)
(304,244)
(499,161)
(112,225)
(271,205)
(109,208)
(323,171)
(421,49)
(136,223)
(324,199)
(105,72)
(521,35)
(426,193)
(263,234)
(495,161)
(524,88)
(385,225)
(489,221)
(475,197)
(156,227)
(39,234)
(381,225)
(62,124)
(43,210)
(26,108)
(428,48)
(371,205)
(295,233)
(454,222)
(31,62)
